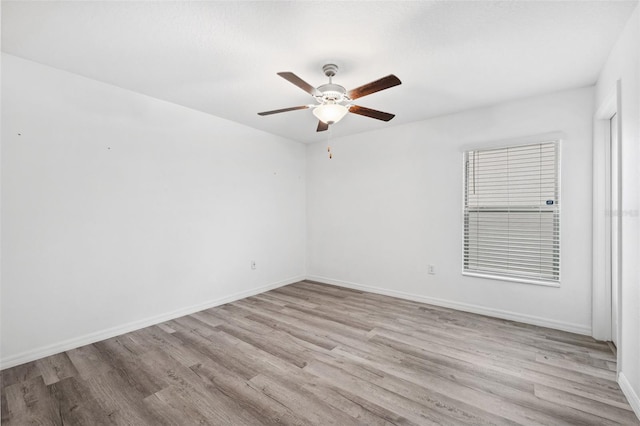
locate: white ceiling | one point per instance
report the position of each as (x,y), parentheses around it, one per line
(222,57)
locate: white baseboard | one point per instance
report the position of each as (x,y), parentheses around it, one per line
(632,396)
(476,309)
(87,339)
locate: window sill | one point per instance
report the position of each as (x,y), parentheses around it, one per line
(513,279)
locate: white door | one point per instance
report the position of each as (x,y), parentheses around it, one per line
(615,228)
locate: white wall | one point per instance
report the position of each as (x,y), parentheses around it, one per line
(622,65)
(390,202)
(119,210)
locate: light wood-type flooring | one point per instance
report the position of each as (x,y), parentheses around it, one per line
(314,354)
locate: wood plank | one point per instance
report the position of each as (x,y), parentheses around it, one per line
(208,319)
(510,412)
(194,325)
(129,366)
(282,300)
(250,399)
(188,393)
(587,405)
(29,402)
(584,367)
(20,373)
(607,394)
(4,407)
(88,361)
(286,351)
(416,403)
(218,350)
(360,408)
(123,402)
(171,415)
(428,367)
(154,338)
(604,389)
(301,402)
(76,405)
(297,332)
(56,367)
(164,327)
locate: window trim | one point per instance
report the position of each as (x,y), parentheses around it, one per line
(532,140)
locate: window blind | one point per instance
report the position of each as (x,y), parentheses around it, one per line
(512,212)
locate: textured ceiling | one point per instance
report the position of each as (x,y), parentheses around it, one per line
(222,57)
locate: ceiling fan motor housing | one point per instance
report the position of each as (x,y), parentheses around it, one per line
(332,93)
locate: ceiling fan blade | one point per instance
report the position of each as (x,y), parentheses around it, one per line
(292,78)
(322,126)
(375,86)
(277,111)
(368,112)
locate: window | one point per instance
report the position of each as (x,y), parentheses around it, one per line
(512,213)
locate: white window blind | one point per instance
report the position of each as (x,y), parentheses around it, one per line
(512,212)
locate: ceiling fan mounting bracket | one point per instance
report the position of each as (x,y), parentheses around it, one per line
(330,70)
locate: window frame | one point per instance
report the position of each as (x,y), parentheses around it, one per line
(554,138)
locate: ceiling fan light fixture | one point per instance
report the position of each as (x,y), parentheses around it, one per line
(330,113)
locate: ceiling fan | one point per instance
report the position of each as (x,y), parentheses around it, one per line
(334,101)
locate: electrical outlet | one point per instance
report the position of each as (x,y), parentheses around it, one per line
(431,269)
(253,264)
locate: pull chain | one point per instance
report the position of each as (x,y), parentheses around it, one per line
(328,140)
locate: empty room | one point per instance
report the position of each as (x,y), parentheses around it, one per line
(320,213)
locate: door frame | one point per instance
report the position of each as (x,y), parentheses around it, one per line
(601,299)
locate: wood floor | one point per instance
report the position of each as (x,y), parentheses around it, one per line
(316,354)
